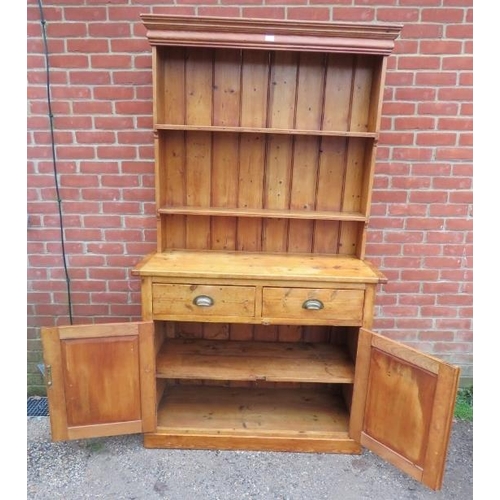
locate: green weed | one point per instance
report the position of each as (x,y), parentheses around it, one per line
(93,445)
(464,404)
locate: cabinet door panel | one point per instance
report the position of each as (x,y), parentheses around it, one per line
(403,406)
(100,379)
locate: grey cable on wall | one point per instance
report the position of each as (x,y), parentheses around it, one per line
(54,161)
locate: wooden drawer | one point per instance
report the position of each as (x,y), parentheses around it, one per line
(205,301)
(337,306)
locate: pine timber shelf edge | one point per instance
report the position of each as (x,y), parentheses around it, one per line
(254,361)
(265,213)
(196,414)
(265,130)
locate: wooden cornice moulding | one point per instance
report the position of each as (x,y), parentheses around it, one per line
(266,34)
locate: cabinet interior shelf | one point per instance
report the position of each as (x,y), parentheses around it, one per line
(254,361)
(264,213)
(264,130)
(283,412)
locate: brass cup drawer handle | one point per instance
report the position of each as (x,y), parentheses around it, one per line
(203,301)
(313,305)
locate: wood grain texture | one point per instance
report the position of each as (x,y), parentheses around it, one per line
(104,330)
(338,92)
(266,135)
(250,192)
(274,362)
(179,300)
(408,400)
(304,214)
(252,411)
(109,369)
(199,109)
(440,426)
(268,130)
(398,406)
(198,86)
(252,151)
(56,397)
(338,306)
(225,156)
(368,306)
(351,197)
(102,379)
(221,441)
(249,266)
(262,34)
(252,159)
(147,298)
(303,188)
(169,85)
(172,186)
(377,97)
(198,187)
(106,430)
(147,379)
(361,94)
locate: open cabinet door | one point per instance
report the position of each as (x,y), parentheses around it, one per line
(100,379)
(403,406)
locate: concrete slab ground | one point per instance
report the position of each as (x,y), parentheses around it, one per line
(120,468)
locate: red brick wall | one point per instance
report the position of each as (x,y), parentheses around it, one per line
(421,226)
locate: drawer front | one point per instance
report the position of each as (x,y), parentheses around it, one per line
(313,305)
(203,301)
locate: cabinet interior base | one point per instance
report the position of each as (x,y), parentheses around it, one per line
(252,418)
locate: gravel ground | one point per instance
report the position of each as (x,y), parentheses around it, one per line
(120,468)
